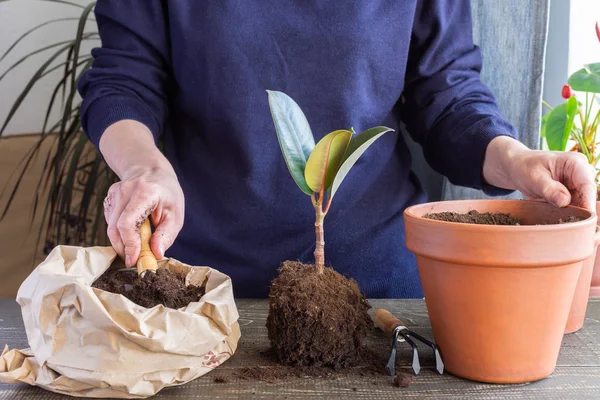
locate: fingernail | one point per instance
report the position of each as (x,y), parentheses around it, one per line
(561,200)
(161,249)
(127,261)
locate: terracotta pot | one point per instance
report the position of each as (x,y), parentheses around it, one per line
(498,297)
(582,291)
(595,289)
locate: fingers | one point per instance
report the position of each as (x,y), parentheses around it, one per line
(554,192)
(113,208)
(129,223)
(165,233)
(558,178)
(135,198)
(126,208)
(587,198)
(581,177)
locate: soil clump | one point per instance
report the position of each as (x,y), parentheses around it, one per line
(316,319)
(403,380)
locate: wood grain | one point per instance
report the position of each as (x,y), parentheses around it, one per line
(577,375)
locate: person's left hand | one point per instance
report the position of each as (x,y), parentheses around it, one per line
(559,178)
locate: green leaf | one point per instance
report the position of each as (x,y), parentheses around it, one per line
(294,135)
(586,79)
(559,123)
(358,145)
(325,160)
(543,127)
(35,78)
(572,108)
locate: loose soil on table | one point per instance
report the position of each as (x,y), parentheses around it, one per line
(316,319)
(165,287)
(367,365)
(475,217)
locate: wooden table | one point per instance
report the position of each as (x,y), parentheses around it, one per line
(577,375)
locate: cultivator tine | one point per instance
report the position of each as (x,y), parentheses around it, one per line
(416,364)
(439,363)
(392,360)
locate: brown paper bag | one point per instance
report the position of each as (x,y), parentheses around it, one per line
(88,342)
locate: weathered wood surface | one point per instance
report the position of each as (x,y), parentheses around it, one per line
(577,375)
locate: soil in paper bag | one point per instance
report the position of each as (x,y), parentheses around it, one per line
(165,287)
(316,319)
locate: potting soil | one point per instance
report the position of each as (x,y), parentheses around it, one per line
(165,287)
(475,217)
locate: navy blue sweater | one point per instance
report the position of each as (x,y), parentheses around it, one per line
(195,72)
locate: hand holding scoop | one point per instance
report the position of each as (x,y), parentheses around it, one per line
(146,261)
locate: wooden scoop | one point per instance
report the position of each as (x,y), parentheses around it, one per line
(146,261)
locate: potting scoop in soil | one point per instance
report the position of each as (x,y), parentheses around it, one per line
(316,316)
(146,262)
(89,342)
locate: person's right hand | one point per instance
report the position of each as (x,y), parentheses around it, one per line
(148,188)
(142,193)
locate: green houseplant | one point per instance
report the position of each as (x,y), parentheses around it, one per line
(75,179)
(573,126)
(316,316)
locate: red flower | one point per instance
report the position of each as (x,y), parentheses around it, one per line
(598,30)
(567,92)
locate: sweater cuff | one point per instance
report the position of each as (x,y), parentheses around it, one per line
(487,130)
(107,110)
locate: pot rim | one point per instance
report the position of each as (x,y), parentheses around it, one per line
(409,213)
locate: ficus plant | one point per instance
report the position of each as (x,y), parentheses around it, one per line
(573,124)
(318,169)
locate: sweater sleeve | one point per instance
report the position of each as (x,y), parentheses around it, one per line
(129,72)
(446,108)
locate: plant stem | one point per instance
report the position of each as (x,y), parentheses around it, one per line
(593,129)
(320,239)
(546,104)
(588,109)
(327,206)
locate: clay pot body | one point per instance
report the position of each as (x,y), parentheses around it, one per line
(498,297)
(582,292)
(595,289)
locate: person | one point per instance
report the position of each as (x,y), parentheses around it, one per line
(192,76)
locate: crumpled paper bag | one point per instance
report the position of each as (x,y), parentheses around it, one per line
(91,343)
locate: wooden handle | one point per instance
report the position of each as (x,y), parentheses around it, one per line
(147,261)
(386,321)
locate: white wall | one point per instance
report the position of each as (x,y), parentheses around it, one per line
(17,17)
(572,43)
(584,47)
